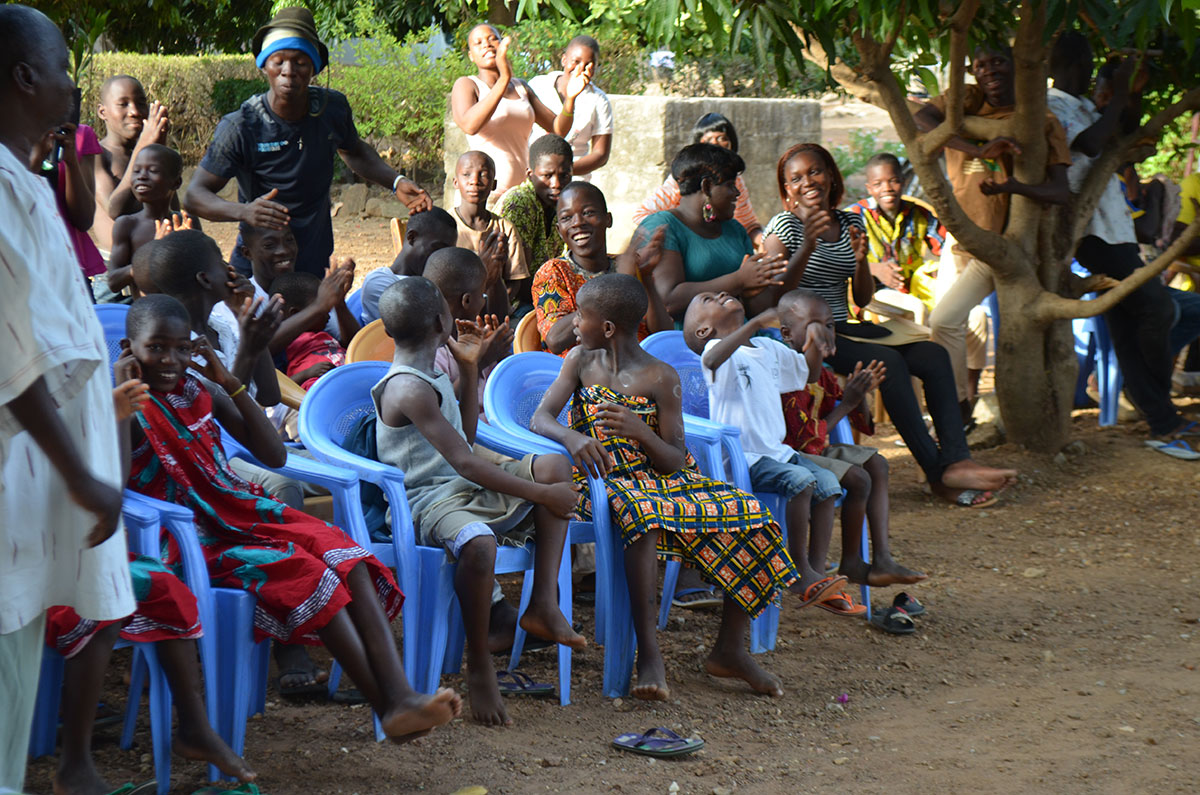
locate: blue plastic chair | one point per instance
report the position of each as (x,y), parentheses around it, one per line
(243,663)
(670,347)
(333,406)
(143,519)
(354,304)
(514,391)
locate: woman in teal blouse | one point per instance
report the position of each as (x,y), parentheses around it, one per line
(705,249)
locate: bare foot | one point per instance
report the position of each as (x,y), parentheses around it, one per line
(879,574)
(502,624)
(651,681)
(740,665)
(419,713)
(487,705)
(550,624)
(205,745)
(79,779)
(296,668)
(968,474)
(408,738)
(980,499)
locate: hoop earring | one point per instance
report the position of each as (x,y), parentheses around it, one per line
(708,212)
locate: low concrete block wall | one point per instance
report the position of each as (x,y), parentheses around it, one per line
(651,130)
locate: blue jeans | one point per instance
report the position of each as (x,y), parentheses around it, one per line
(793,477)
(1187,323)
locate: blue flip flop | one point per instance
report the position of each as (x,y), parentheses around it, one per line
(711,598)
(661,743)
(515,683)
(1176,449)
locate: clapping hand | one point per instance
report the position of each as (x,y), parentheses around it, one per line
(862,380)
(650,254)
(889,274)
(156,125)
(759,271)
(336,285)
(473,337)
(858,242)
(259,320)
(493,251)
(820,339)
(815,226)
(497,344)
(172,223)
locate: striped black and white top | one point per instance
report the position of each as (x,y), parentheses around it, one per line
(831,264)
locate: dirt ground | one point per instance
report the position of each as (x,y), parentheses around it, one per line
(1058,654)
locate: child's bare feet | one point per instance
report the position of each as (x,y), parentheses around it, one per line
(298,673)
(487,705)
(968,474)
(879,573)
(740,665)
(502,626)
(79,779)
(202,744)
(651,680)
(550,624)
(419,713)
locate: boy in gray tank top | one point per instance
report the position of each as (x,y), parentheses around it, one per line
(458,499)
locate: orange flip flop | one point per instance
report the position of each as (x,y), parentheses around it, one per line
(819,588)
(840,604)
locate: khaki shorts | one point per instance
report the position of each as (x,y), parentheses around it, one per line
(838,458)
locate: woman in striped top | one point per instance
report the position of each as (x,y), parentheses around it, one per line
(835,250)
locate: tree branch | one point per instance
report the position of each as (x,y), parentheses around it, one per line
(1055,307)
(960,25)
(1029,119)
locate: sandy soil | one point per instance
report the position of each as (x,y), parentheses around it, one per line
(1059,654)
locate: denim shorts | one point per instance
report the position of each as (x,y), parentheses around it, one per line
(793,477)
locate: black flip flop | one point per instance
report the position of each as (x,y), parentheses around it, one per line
(894,621)
(908,604)
(661,743)
(309,690)
(515,683)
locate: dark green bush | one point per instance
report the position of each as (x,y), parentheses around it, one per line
(229,94)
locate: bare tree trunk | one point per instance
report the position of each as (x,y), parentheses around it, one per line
(1035,371)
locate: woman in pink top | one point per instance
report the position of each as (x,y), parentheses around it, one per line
(711,128)
(74,187)
(497,111)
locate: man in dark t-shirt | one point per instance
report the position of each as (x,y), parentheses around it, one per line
(280,146)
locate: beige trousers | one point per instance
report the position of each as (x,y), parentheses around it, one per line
(958,323)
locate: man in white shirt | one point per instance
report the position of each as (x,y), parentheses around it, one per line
(1141,324)
(590,136)
(60,495)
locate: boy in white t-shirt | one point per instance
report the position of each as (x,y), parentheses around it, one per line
(745,376)
(591,130)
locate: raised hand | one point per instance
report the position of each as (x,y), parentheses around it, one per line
(858,242)
(588,453)
(580,78)
(266,213)
(493,251)
(64,136)
(815,226)
(334,288)
(651,254)
(206,362)
(862,380)
(761,270)
(816,339)
(502,62)
(259,320)
(497,340)
(154,129)
(240,288)
(473,337)
(413,196)
(998,147)
(172,223)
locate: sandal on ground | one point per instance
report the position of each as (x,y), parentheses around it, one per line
(708,598)
(661,743)
(974,498)
(313,688)
(515,683)
(1187,429)
(894,621)
(840,603)
(349,697)
(532,643)
(819,588)
(136,789)
(1176,449)
(908,604)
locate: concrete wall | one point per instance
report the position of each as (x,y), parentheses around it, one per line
(651,130)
